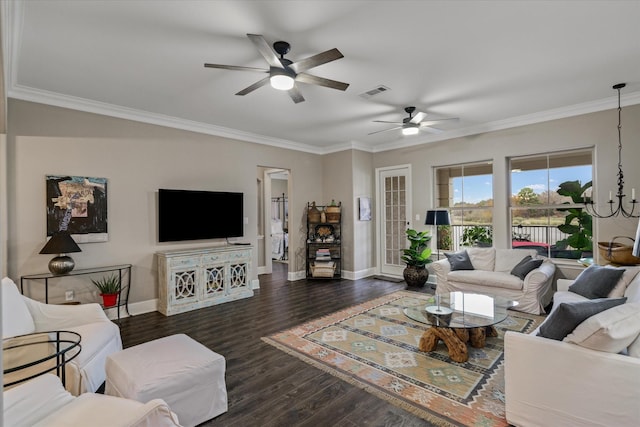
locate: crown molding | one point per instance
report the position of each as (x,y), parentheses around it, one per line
(86,105)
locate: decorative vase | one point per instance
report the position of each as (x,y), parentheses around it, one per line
(415,276)
(314,213)
(109,300)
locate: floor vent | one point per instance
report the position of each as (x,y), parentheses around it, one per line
(375,91)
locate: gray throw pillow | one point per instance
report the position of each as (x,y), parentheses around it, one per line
(596,281)
(526,266)
(569,315)
(459,261)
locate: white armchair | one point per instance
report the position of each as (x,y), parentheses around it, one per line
(43,401)
(99,336)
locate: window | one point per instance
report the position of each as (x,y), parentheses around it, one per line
(467,191)
(546,203)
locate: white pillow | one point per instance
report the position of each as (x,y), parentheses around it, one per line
(633,290)
(621,286)
(16,317)
(612,330)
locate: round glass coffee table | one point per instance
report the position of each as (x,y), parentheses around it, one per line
(28,356)
(457,318)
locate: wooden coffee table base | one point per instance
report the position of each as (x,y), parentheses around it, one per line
(456,340)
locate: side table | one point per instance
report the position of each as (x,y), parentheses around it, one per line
(124,272)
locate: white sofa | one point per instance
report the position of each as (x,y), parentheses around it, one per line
(492,276)
(558,383)
(43,401)
(100,337)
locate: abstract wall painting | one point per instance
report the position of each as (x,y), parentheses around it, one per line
(77,204)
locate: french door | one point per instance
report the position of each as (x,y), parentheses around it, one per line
(394,213)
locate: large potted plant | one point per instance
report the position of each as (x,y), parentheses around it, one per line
(416,257)
(109,287)
(577,223)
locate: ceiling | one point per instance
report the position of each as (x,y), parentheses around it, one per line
(493,64)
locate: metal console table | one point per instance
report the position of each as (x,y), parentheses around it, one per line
(124,270)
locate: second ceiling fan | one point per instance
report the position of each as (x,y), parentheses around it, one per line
(283,73)
(414,123)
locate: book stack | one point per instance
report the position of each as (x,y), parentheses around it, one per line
(323,255)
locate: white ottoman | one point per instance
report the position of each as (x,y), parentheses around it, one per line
(181,371)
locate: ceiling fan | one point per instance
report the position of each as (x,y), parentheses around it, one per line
(283,73)
(413,124)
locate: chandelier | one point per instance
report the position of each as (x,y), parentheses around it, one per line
(616,207)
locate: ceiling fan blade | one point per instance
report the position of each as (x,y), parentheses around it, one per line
(315,60)
(254,86)
(385,130)
(418,117)
(265,50)
(236,67)
(431,130)
(295,95)
(321,81)
(385,121)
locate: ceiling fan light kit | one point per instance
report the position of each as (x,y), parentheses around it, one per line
(412,130)
(281,81)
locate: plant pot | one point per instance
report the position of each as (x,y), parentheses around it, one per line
(109,300)
(415,276)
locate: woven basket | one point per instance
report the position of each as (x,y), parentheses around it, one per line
(323,270)
(333,214)
(617,253)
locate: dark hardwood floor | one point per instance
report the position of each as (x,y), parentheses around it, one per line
(265,386)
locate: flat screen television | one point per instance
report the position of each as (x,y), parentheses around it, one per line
(198,215)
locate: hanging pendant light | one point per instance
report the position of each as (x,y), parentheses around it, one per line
(616,207)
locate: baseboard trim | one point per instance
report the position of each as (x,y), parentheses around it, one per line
(135,308)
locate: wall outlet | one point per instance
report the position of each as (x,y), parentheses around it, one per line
(68,296)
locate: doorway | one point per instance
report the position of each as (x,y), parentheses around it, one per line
(393,187)
(273,221)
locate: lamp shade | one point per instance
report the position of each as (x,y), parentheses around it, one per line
(60,243)
(437,217)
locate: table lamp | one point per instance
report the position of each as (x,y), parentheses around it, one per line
(61,243)
(437,217)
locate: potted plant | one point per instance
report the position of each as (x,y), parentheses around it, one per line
(477,235)
(577,223)
(416,257)
(109,287)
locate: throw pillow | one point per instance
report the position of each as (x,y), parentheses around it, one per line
(459,261)
(526,266)
(568,316)
(611,330)
(596,281)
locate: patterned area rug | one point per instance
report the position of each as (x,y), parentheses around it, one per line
(375,346)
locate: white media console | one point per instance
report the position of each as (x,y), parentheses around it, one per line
(196,278)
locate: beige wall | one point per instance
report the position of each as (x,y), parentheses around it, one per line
(137,159)
(363,231)
(591,130)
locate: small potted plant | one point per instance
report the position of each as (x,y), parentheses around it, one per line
(109,287)
(416,257)
(477,235)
